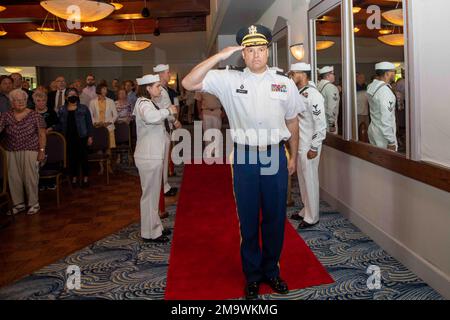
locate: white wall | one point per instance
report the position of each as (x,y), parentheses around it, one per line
(409,219)
(181,50)
(295,12)
(432,78)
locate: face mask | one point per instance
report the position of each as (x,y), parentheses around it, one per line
(73,99)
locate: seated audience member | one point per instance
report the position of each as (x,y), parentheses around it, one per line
(76,124)
(25,140)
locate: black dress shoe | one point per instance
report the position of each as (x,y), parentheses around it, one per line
(278,285)
(305,225)
(251,290)
(166,232)
(171,192)
(296,217)
(160,239)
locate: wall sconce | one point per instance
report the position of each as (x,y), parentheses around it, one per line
(297,51)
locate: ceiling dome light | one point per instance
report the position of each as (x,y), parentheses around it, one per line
(89,28)
(90,11)
(396,40)
(356,9)
(53,38)
(133,45)
(356,29)
(394,16)
(324,44)
(2,8)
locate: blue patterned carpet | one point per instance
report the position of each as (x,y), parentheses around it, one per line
(121,266)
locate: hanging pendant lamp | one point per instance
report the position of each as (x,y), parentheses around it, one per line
(89,10)
(46,36)
(133,44)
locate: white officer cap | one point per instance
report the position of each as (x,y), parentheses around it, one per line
(161,68)
(300,66)
(326,69)
(147,79)
(385,66)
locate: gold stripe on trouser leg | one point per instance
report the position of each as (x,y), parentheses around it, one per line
(234,196)
(289,201)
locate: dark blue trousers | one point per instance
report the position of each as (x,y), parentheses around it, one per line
(255,190)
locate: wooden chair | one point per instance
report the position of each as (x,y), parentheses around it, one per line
(100,151)
(56,163)
(5,197)
(122,135)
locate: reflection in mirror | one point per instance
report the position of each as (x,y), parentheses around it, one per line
(380,74)
(329,66)
(282,53)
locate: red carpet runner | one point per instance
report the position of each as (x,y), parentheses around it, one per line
(205,259)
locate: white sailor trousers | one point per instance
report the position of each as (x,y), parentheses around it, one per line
(166,164)
(308,179)
(150,173)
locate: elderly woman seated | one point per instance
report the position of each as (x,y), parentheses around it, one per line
(25,139)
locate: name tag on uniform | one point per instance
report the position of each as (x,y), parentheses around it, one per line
(282,88)
(241,90)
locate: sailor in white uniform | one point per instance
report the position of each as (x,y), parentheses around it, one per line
(382,100)
(165,102)
(331,95)
(151,123)
(313,130)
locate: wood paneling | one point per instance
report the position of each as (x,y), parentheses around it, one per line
(430,174)
(173,16)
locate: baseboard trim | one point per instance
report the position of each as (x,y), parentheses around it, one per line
(434,277)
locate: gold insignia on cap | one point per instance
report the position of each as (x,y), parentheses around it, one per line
(252,30)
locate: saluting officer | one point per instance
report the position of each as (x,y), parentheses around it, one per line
(262,107)
(382,100)
(313,130)
(330,93)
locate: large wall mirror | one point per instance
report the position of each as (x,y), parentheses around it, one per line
(381,95)
(280,45)
(328,34)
